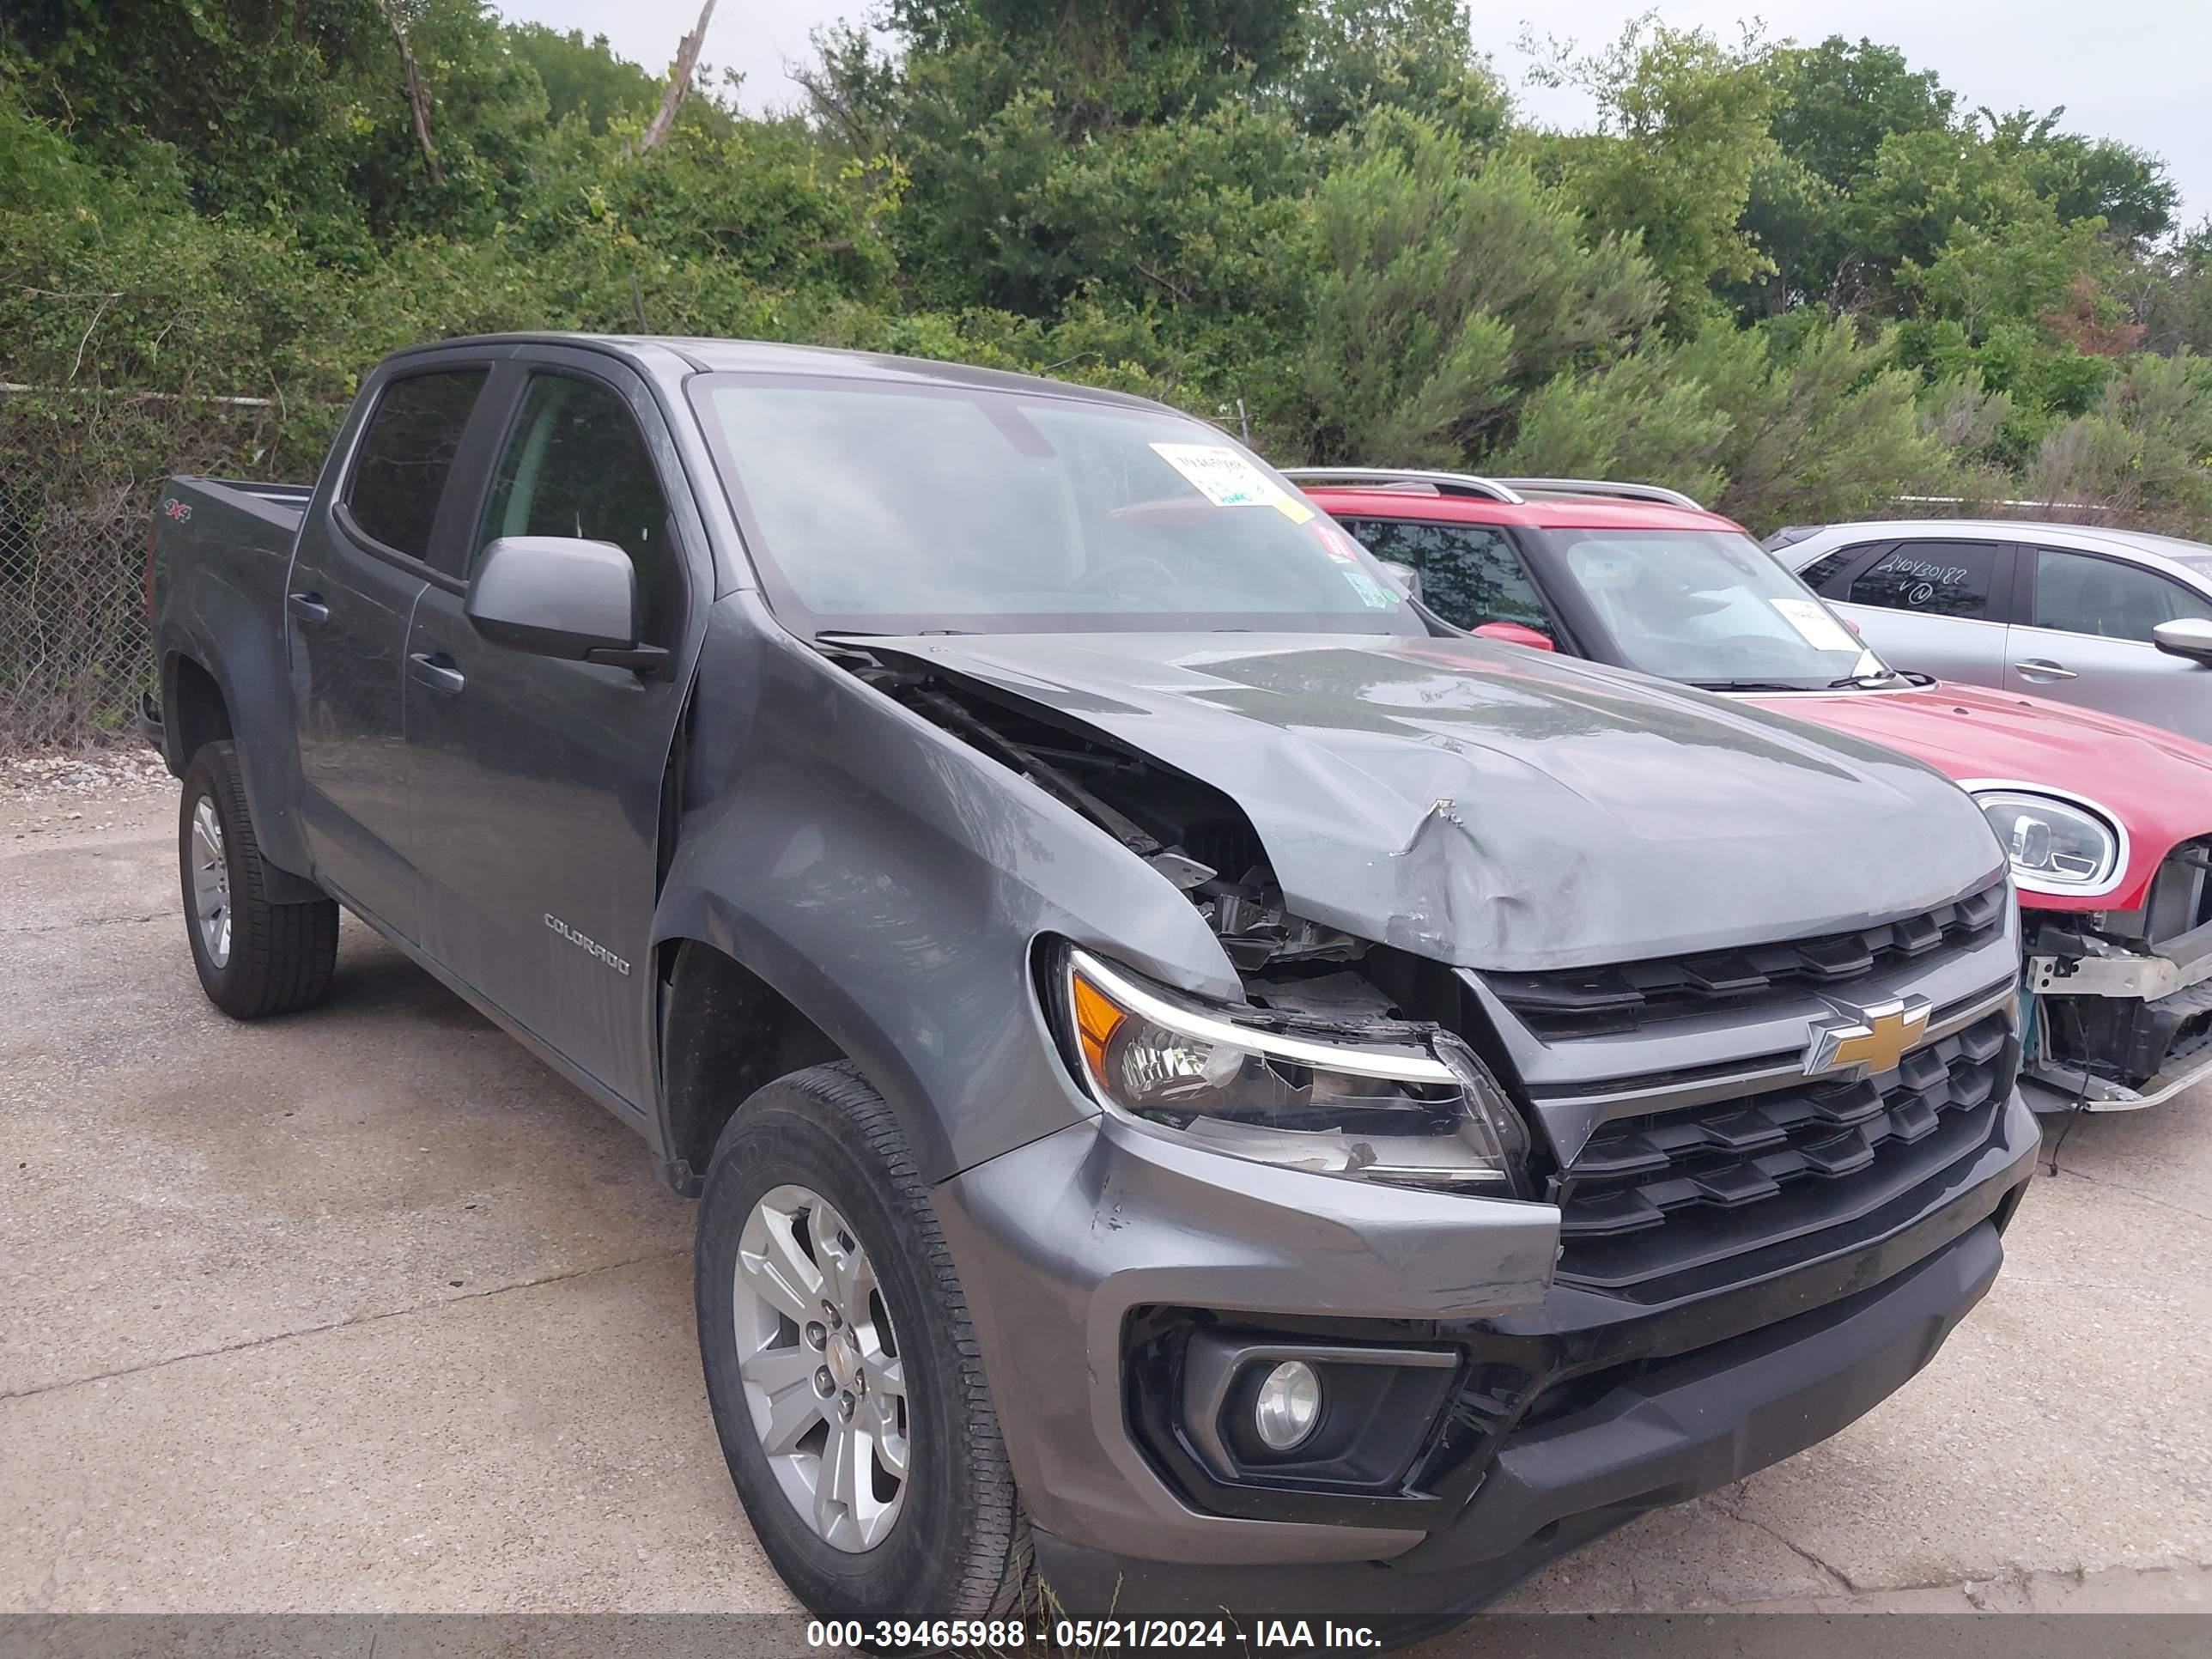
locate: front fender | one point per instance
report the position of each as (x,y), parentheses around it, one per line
(891,882)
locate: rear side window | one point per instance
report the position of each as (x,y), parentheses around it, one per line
(407,453)
(1941,579)
(2078,594)
(1470,573)
(1826,575)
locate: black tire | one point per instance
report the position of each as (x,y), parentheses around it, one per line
(959,1546)
(281,956)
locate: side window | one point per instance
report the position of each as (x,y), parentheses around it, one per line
(399,472)
(1827,574)
(2079,594)
(1939,579)
(575,465)
(1470,573)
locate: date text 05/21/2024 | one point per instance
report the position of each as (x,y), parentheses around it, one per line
(1102,1634)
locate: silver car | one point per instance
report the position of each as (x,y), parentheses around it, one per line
(2113,620)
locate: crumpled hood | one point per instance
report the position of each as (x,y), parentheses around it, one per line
(2157,783)
(1495,807)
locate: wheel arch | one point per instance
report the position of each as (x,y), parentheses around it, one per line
(735,1016)
(243,692)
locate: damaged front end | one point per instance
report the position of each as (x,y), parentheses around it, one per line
(2118,1003)
(1344,1057)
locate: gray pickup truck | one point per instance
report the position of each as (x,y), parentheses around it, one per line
(1194,1080)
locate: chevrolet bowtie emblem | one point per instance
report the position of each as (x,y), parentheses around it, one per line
(1874,1038)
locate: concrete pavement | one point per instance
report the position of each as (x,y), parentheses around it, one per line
(366,1310)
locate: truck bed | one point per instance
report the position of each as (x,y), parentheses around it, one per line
(278,508)
(219,553)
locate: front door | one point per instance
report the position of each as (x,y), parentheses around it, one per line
(2086,640)
(349,598)
(536,783)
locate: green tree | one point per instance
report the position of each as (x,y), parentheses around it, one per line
(1788,420)
(1441,296)
(584,78)
(1683,125)
(1834,104)
(1413,55)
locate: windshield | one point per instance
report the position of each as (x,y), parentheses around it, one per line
(1710,607)
(886,508)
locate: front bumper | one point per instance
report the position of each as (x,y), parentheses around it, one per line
(2122,1031)
(1061,1242)
(1678,1432)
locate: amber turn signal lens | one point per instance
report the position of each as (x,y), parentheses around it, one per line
(1096,1021)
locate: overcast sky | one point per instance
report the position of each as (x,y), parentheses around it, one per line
(2137,74)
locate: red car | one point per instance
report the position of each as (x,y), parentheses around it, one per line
(2108,823)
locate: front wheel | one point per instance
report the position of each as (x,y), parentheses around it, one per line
(842,1367)
(253,957)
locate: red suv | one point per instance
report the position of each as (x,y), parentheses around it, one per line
(2108,823)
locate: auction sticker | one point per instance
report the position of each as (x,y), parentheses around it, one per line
(1820,630)
(1227,479)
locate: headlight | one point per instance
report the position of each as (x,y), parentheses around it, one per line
(1409,1106)
(2055,846)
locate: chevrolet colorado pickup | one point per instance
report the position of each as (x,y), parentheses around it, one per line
(1114,975)
(2107,821)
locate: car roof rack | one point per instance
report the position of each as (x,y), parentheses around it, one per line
(1444,483)
(1626,492)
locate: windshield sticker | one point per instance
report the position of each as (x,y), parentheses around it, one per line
(1819,630)
(1338,545)
(1221,474)
(1372,594)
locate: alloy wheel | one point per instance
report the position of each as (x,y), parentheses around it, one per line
(210,883)
(822,1376)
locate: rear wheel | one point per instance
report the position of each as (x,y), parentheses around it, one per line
(842,1366)
(253,957)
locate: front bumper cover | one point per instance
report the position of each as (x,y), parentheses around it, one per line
(1680,1430)
(1059,1242)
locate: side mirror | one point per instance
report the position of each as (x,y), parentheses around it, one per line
(557,596)
(2185,636)
(1407,578)
(1517,633)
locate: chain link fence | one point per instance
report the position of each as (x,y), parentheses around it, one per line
(80,470)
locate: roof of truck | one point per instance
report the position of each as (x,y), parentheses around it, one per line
(679,354)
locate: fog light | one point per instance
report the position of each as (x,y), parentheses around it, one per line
(1287,1406)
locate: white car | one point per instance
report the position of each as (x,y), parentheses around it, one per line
(2113,620)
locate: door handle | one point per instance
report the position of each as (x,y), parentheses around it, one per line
(308,607)
(437,672)
(2039,669)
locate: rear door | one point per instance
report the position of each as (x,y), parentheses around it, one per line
(1935,604)
(2084,637)
(538,783)
(363,559)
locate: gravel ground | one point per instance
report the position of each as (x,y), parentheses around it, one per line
(364,1309)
